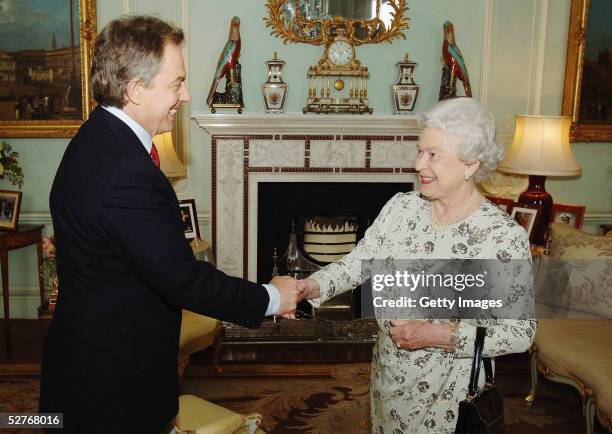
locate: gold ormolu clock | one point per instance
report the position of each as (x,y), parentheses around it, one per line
(328,91)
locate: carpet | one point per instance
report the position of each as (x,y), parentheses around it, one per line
(336,403)
(339,404)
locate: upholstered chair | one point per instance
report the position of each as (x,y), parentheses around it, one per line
(197,333)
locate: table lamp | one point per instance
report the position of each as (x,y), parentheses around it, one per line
(169,161)
(540,148)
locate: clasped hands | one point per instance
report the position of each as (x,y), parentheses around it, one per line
(292,291)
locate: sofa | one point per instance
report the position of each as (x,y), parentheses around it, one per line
(574,306)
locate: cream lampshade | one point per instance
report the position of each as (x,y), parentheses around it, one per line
(169,161)
(540,148)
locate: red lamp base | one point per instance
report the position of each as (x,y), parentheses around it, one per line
(536,194)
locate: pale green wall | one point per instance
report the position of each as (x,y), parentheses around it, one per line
(207,24)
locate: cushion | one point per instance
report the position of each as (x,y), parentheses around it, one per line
(203,417)
(570,243)
(581,270)
(579,349)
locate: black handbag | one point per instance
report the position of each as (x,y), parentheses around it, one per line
(481,412)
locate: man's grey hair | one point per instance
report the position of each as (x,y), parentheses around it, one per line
(129,48)
(469,122)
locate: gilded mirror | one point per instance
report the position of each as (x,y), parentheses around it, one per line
(314,21)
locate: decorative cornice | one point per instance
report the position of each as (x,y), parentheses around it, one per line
(296,123)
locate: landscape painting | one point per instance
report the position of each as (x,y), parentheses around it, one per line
(587,93)
(45,49)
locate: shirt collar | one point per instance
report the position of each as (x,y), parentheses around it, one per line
(142,134)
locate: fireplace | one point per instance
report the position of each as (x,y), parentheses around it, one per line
(267,167)
(251,149)
(280,202)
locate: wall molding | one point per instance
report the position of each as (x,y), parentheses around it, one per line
(487,29)
(44,217)
(129,7)
(539,48)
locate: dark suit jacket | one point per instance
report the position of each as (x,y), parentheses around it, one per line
(125,271)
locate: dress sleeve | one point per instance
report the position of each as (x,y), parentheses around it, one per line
(504,336)
(346,274)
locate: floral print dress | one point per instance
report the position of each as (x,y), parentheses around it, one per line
(419,391)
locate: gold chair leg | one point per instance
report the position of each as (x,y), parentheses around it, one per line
(590,408)
(533,370)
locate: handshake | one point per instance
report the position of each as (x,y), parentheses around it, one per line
(292,291)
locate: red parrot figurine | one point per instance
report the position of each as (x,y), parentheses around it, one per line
(454,66)
(227,60)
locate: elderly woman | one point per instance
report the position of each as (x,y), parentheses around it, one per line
(420,369)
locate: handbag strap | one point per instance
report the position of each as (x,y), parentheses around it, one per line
(475,373)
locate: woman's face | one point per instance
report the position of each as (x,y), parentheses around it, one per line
(441,171)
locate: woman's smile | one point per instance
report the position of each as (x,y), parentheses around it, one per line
(427,179)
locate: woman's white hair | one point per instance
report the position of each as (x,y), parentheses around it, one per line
(474,126)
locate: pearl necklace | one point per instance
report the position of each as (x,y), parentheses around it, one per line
(437,226)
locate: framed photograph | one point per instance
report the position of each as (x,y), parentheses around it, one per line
(587,93)
(45,62)
(503,203)
(10,203)
(571,215)
(190,218)
(528,216)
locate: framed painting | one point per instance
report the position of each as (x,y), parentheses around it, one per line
(45,61)
(587,93)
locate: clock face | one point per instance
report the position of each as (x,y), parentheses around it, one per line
(340,53)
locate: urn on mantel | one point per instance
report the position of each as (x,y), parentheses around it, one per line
(405,91)
(274,90)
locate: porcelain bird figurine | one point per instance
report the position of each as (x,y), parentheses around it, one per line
(227,59)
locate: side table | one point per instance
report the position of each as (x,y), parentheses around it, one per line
(25,235)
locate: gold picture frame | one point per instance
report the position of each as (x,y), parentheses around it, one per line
(41,93)
(579,100)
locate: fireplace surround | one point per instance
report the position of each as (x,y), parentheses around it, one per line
(249,149)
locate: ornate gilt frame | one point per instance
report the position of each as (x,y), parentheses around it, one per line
(289,34)
(67,128)
(578,29)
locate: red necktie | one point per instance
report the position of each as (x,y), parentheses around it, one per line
(154,155)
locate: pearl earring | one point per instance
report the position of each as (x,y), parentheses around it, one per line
(466,177)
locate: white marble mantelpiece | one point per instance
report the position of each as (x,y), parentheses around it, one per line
(251,148)
(298,123)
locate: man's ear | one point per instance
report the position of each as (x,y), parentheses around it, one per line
(134,91)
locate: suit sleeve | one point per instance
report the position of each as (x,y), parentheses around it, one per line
(139,217)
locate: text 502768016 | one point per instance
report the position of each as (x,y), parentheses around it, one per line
(31,420)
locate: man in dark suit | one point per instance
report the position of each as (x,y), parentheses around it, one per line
(125,268)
